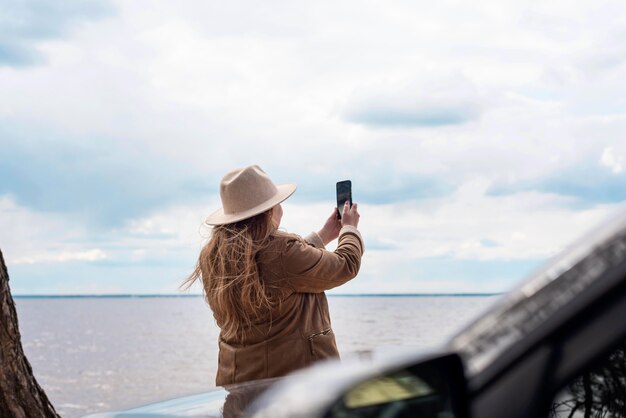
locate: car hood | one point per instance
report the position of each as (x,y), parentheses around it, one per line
(222,402)
(308,389)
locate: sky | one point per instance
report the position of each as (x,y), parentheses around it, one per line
(482,138)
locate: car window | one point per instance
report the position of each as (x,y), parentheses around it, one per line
(599,392)
(398,395)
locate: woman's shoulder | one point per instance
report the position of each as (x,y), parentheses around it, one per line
(282,243)
(279,247)
(286,238)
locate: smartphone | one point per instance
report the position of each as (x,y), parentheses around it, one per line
(344,192)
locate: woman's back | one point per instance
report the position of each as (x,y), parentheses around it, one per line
(297,331)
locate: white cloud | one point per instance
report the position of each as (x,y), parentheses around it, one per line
(62,257)
(434,100)
(525,225)
(30,236)
(611,160)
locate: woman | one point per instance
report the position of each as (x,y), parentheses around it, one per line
(266,287)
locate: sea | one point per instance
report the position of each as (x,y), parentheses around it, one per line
(109,353)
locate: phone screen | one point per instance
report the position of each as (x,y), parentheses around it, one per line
(344,192)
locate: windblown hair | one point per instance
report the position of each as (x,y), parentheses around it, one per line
(229,273)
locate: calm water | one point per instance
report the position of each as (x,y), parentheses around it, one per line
(100,354)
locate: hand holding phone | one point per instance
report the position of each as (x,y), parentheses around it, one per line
(350,215)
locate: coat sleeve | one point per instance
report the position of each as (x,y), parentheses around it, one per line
(314,239)
(309,269)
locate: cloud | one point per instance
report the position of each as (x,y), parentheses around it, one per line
(611,160)
(384,112)
(17,55)
(437,274)
(105,180)
(25,23)
(379,184)
(488,243)
(586,183)
(82,277)
(52,253)
(63,257)
(443,102)
(390,187)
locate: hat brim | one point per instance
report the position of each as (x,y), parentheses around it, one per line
(220,218)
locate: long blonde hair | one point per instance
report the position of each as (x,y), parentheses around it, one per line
(229,273)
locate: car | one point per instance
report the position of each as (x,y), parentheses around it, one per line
(552,347)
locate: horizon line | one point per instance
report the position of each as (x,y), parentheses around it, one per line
(175,295)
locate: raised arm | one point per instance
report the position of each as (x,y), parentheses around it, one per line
(310,269)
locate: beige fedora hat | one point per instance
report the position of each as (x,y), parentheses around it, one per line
(246,192)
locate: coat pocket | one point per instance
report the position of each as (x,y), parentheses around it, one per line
(322,345)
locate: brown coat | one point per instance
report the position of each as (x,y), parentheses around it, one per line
(299,332)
